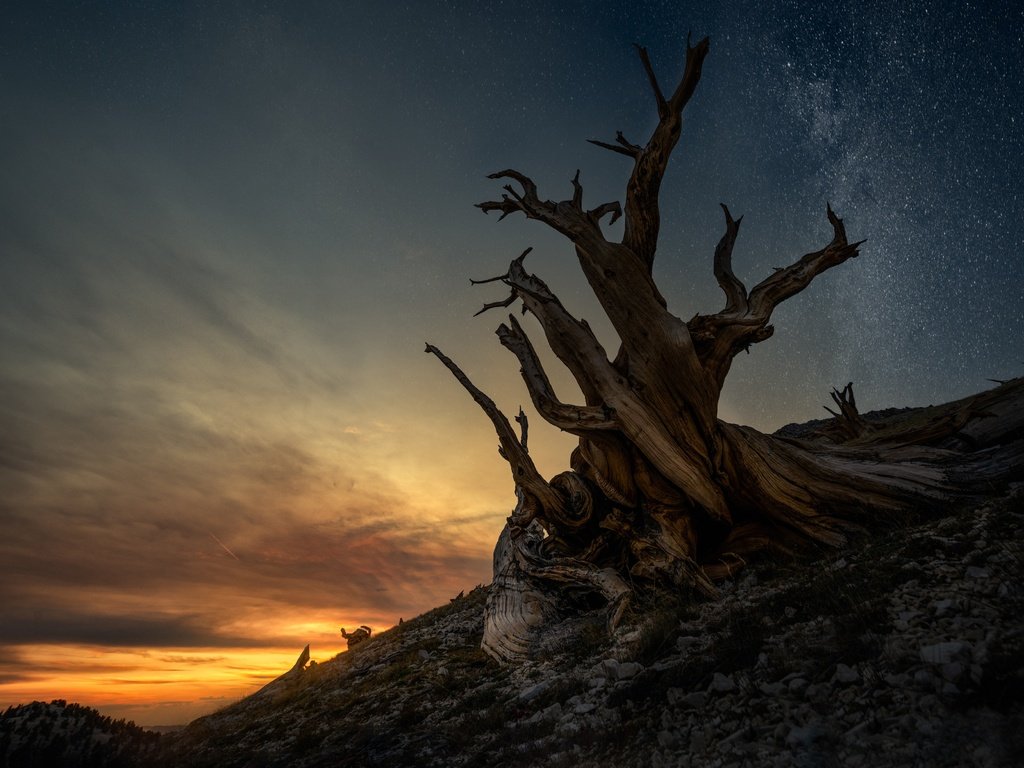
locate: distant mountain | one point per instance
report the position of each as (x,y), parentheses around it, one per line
(39,735)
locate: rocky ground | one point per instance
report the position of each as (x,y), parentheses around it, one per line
(903,650)
(40,735)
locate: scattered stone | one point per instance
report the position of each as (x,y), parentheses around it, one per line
(722,683)
(943,653)
(772,689)
(686,642)
(584,707)
(534,691)
(845,674)
(628,670)
(920,697)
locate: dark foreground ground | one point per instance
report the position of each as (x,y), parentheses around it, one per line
(904,650)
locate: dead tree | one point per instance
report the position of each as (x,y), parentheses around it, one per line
(356,636)
(849,424)
(661,492)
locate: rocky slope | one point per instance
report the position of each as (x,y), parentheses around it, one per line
(906,649)
(62,734)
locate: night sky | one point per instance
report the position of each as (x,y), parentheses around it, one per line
(226,230)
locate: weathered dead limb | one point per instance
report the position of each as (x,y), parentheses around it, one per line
(576,419)
(661,493)
(642,210)
(849,424)
(732,286)
(524,472)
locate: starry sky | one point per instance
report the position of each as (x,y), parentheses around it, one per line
(226,230)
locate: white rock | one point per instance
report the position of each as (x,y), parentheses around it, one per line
(772,689)
(628,670)
(611,668)
(533,692)
(584,707)
(845,674)
(943,653)
(722,683)
(686,642)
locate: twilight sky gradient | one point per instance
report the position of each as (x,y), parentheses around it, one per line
(227,229)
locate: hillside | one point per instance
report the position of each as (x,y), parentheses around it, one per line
(62,734)
(907,649)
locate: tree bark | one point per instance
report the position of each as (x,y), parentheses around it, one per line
(661,493)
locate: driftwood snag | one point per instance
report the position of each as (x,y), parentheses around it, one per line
(290,678)
(356,636)
(662,494)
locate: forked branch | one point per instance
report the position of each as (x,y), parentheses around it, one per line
(732,286)
(570,339)
(642,215)
(744,321)
(788,281)
(567,217)
(575,419)
(849,423)
(621,146)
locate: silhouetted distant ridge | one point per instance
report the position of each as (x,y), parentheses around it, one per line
(65,735)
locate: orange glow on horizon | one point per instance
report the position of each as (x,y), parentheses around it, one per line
(153,686)
(168,686)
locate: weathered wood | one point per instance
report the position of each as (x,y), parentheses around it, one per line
(662,494)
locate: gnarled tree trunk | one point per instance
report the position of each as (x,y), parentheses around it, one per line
(660,491)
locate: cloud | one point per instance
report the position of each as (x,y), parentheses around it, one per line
(117,520)
(54,625)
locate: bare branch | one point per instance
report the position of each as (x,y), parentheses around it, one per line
(605,208)
(659,97)
(744,321)
(570,339)
(691,76)
(524,428)
(790,280)
(496,304)
(622,146)
(643,219)
(612,147)
(619,138)
(567,217)
(735,291)
(502,278)
(577,191)
(849,423)
(574,419)
(524,472)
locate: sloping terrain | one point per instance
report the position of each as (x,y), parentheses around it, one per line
(906,649)
(62,734)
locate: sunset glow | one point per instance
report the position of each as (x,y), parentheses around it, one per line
(227,231)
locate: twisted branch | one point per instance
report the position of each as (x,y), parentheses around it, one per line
(732,286)
(575,419)
(512,449)
(788,281)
